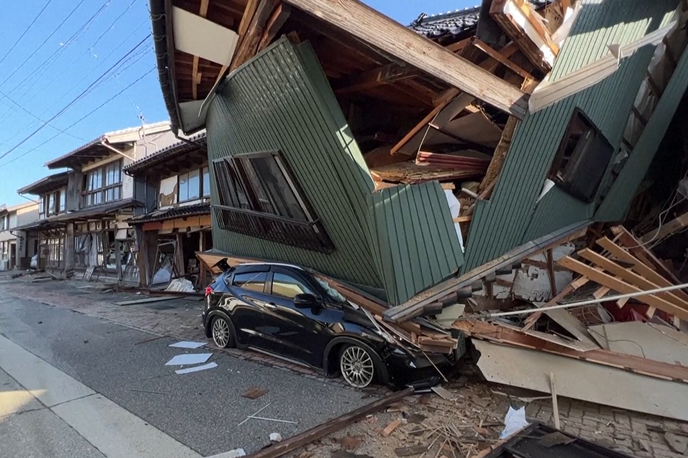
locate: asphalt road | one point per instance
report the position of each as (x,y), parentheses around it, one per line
(201,410)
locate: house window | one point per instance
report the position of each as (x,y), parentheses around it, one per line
(205,186)
(259,196)
(41,208)
(582,158)
(103,184)
(189,186)
(63,201)
(4,222)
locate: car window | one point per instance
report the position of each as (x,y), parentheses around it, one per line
(254,281)
(287,286)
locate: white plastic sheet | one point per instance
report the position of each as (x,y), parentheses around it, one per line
(515,421)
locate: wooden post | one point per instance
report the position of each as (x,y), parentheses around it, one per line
(555,404)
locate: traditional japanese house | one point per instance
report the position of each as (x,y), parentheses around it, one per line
(177,225)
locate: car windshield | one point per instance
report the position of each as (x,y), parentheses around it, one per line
(332,293)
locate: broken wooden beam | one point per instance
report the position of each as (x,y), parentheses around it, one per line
(487,49)
(389,36)
(249,40)
(373,78)
(274,25)
(620,286)
(306,437)
(525,27)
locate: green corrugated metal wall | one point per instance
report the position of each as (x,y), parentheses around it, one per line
(622,192)
(417,245)
(282,100)
(513,216)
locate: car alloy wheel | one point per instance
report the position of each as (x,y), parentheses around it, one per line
(221,333)
(357,366)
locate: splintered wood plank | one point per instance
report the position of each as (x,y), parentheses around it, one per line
(328,427)
(274,25)
(487,49)
(622,287)
(639,250)
(391,37)
(254,392)
(666,229)
(250,39)
(638,266)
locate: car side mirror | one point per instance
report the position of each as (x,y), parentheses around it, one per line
(305,301)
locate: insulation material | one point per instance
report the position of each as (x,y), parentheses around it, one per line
(532,282)
(180,285)
(582,380)
(455,208)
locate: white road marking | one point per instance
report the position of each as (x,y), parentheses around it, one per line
(115,431)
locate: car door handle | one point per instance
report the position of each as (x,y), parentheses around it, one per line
(271,306)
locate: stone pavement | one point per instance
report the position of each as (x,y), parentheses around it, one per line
(633,433)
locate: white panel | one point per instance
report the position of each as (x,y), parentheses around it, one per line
(582,380)
(190,117)
(201,37)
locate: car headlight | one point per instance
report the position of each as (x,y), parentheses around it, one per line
(412,364)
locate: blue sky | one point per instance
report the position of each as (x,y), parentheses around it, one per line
(69,46)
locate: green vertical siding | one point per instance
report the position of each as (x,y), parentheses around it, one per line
(622,192)
(277,103)
(416,245)
(399,239)
(513,214)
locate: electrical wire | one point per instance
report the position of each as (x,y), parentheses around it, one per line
(81,119)
(43,43)
(25,31)
(74,101)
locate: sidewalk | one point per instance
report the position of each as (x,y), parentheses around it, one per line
(477,405)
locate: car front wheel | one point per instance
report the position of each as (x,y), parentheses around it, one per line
(357,366)
(222,332)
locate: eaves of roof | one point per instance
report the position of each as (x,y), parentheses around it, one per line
(172,213)
(173,151)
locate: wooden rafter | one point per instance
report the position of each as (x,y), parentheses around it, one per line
(391,37)
(251,30)
(275,23)
(622,287)
(487,49)
(373,78)
(195,74)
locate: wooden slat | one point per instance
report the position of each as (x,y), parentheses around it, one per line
(487,49)
(380,31)
(635,364)
(640,251)
(622,287)
(638,266)
(329,427)
(628,276)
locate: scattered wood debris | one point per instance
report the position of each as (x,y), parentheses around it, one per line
(254,392)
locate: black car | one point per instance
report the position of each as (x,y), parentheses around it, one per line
(286,311)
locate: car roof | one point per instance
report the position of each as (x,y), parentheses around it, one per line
(268,264)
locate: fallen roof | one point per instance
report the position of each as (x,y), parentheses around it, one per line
(169,157)
(171,213)
(46,184)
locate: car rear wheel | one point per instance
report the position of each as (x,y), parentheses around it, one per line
(222,332)
(357,366)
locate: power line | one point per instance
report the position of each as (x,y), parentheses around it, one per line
(75,100)
(25,31)
(82,118)
(43,43)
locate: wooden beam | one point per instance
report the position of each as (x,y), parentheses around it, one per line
(274,25)
(568,289)
(622,287)
(195,75)
(459,45)
(250,39)
(638,266)
(373,78)
(329,427)
(378,30)
(550,272)
(640,251)
(666,229)
(487,49)
(628,276)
